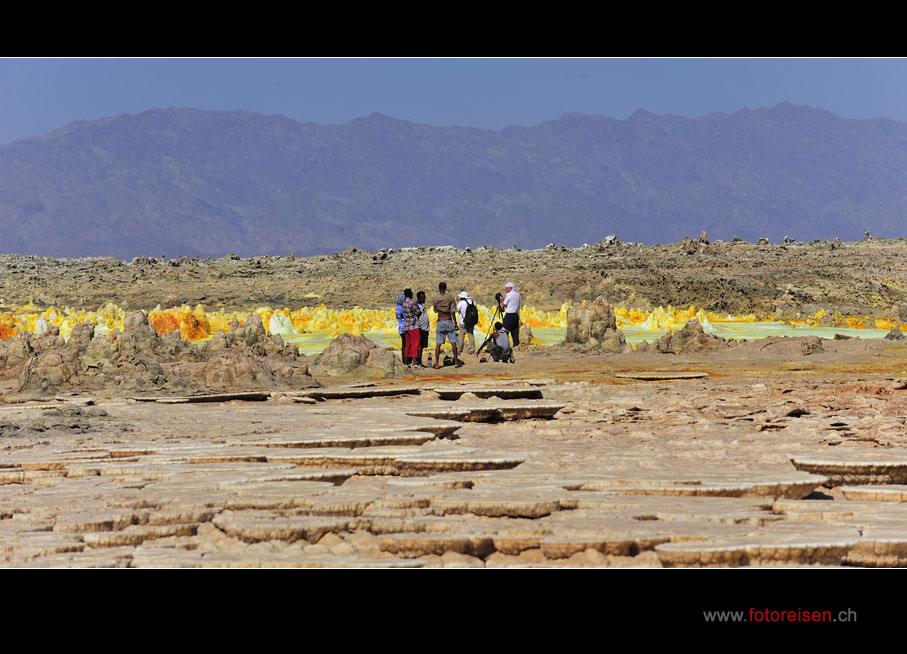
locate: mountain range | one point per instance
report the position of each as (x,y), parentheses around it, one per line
(204,183)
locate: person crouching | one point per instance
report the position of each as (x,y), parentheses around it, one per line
(499,344)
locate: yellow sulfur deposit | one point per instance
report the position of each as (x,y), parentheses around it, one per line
(811,321)
(661,319)
(196,324)
(191,323)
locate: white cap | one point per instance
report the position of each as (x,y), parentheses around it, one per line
(509,285)
(463,294)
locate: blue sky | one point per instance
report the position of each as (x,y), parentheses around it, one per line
(38,96)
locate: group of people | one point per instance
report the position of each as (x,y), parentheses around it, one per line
(413,325)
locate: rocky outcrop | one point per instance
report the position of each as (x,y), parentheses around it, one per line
(134,374)
(45,374)
(896,334)
(350,354)
(249,334)
(691,338)
(592,327)
(226,373)
(46,340)
(15,351)
(137,359)
(525,338)
(589,321)
(689,246)
(53,364)
(811,345)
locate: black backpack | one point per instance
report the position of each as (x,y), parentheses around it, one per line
(471,319)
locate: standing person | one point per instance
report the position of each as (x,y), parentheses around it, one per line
(411,313)
(511,303)
(467,317)
(424,325)
(398,312)
(445,328)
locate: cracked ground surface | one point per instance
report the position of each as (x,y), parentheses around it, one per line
(552,462)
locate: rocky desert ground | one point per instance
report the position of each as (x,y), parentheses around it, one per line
(138,449)
(865,277)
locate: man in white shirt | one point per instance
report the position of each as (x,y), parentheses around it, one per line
(466,322)
(511,302)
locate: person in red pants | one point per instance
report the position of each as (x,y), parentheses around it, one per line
(411,314)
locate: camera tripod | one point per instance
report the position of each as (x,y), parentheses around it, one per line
(498,312)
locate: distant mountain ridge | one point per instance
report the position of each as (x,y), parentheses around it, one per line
(203,183)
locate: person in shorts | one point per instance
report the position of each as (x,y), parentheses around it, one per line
(445,306)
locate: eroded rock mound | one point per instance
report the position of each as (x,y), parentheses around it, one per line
(691,338)
(811,345)
(896,334)
(138,359)
(224,373)
(250,334)
(594,327)
(46,340)
(15,351)
(689,246)
(526,337)
(45,374)
(350,354)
